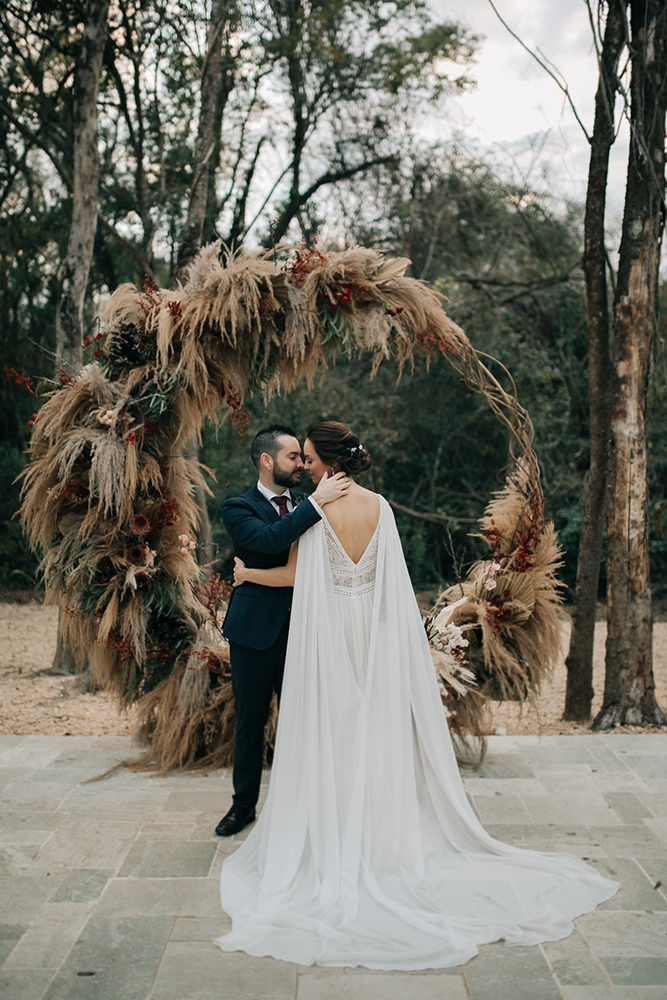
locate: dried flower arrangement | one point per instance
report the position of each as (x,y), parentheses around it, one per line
(108,495)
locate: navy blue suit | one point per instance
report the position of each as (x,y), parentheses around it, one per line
(257,624)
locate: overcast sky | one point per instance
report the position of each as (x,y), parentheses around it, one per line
(517,108)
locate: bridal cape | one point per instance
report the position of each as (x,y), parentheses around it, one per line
(367,851)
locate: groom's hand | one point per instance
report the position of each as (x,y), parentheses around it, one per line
(331,488)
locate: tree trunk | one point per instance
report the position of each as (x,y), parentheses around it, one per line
(579,662)
(191,239)
(629,695)
(76,265)
(193,232)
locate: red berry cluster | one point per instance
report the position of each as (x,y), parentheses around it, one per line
(20,379)
(299,269)
(73,490)
(151,427)
(240,417)
(130,438)
(64,377)
(394,312)
(174,309)
(165,515)
(35,420)
(89,340)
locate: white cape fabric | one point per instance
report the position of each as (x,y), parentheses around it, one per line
(367,851)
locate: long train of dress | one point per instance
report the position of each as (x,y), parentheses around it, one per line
(367,851)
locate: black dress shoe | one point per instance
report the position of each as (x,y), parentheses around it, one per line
(235,820)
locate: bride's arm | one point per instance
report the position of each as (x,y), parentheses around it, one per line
(278,576)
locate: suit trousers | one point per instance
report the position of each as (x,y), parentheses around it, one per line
(256,674)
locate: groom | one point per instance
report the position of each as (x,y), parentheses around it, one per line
(262,524)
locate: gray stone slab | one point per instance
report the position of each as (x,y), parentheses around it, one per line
(655,802)
(34,796)
(636,971)
(194,929)
(169,859)
(637,744)
(8,775)
(197,801)
(123,953)
(505,767)
(177,897)
(629,841)
(113,799)
(381,986)
(84,885)
(60,775)
(647,767)
(10,935)
(656,870)
(199,969)
(609,761)
(625,933)
(613,993)
(88,843)
(553,833)
(562,753)
(502,973)
(508,786)
(31,755)
(628,807)
(166,831)
(636,892)
(573,962)
(16,859)
(50,937)
(583,808)
(26,820)
(24,984)
(501,808)
(23,896)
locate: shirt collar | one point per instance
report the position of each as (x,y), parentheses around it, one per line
(269,494)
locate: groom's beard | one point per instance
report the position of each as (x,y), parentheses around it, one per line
(282,477)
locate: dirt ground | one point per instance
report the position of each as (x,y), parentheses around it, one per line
(32,701)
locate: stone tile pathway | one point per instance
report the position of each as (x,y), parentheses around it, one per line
(109,890)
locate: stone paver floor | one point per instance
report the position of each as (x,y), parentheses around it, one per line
(109,890)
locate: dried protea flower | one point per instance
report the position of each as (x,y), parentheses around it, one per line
(141,578)
(136,554)
(139,524)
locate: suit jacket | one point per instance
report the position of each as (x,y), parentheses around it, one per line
(262,538)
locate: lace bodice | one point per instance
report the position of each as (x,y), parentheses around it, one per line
(351,579)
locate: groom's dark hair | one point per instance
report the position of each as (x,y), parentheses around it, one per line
(266,441)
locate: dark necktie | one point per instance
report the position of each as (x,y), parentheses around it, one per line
(282,505)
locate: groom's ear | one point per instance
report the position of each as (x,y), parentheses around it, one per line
(266,461)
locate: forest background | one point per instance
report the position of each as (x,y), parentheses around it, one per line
(314,140)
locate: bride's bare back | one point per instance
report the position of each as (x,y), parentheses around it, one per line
(354,518)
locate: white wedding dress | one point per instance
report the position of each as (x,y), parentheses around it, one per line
(367,851)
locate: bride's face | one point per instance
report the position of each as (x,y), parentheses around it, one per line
(315,467)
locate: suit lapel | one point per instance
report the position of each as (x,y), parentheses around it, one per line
(266,508)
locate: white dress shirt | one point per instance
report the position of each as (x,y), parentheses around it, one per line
(271,496)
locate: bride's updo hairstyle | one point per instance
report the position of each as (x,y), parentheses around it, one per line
(336,445)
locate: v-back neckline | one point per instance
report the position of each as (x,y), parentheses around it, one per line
(342,547)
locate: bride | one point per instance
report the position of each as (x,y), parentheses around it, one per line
(367,851)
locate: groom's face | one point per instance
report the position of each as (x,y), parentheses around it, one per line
(287,464)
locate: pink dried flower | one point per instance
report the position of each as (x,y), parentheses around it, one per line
(490,584)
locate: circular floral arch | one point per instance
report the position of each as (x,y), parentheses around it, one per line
(108,495)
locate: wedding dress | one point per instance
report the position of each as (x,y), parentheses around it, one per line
(367,851)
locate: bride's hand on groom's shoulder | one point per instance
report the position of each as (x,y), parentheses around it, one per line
(331,488)
(240,574)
